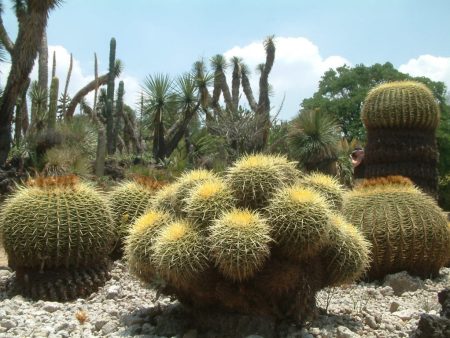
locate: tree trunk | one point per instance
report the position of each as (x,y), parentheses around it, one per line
(248,92)
(118,127)
(235,84)
(158,137)
(177,131)
(110,99)
(102,80)
(31,28)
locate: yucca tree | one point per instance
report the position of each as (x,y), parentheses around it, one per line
(159,97)
(32,17)
(313,139)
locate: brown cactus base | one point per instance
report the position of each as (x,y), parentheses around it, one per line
(283,290)
(61,284)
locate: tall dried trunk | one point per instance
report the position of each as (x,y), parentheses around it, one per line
(235,82)
(263,112)
(158,137)
(94,106)
(130,125)
(101,152)
(248,89)
(32,25)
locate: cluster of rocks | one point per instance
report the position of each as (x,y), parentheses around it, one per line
(124,307)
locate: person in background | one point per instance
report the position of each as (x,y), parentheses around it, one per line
(357,158)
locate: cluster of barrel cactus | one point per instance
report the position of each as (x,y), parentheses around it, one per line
(261,239)
(401,120)
(407,229)
(57,233)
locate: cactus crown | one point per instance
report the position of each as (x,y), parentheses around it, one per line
(149,220)
(405,104)
(53,181)
(386,181)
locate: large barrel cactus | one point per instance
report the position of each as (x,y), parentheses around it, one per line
(57,234)
(401,120)
(128,201)
(406,227)
(244,244)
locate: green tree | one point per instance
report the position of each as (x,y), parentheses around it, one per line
(342,92)
(32,17)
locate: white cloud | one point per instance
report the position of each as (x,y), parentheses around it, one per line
(296,72)
(80,76)
(437,68)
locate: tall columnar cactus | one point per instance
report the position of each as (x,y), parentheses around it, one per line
(110,98)
(51,118)
(200,244)
(118,125)
(401,120)
(57,233)
(128,202)
(407,229)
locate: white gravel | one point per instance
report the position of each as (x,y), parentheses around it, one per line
(123,307)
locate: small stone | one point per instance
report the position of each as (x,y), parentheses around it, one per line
(18,299)
(344,332)
(254,336)
(113,292)
(8,324)
(394,307)
(370,320)
(51,306)
(98,324)
(402,282)
(64,334)
(405,315)
(191,334)
(314,331)
(5,273)
(387,291)
(109,327)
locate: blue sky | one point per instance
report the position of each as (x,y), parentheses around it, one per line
(168,36)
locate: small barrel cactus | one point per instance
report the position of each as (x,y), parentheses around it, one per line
(254,178)
(327,186)
(128,201)
(407,229)
(401,120)
(57,233)
(251,243)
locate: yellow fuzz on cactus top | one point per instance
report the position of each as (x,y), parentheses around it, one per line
(302,195)
(175,231)
(260,160)
(195,175)
(241,218)
(209,189)
(322,179)
(148,220)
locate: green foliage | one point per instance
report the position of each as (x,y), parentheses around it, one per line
(407,229)
(313,138)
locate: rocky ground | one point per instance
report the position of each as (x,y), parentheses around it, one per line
(123,307)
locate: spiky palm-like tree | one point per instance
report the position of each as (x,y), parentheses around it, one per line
(314,138)
(159,98)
